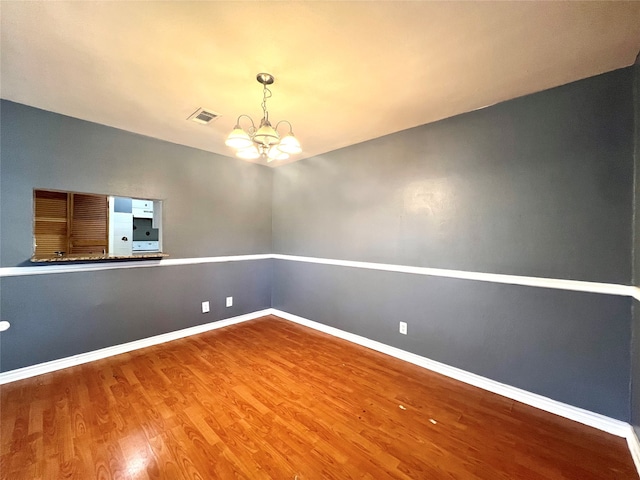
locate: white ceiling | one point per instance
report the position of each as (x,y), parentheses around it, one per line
(345,72)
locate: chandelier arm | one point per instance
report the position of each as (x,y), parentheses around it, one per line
(252,129)
(288,123)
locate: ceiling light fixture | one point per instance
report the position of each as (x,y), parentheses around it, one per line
(263,141)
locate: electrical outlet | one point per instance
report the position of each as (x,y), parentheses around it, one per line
(403,328)
(205,307)
(229,301)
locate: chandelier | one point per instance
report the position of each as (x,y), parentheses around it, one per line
(264,141)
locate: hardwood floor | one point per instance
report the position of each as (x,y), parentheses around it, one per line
(269,399)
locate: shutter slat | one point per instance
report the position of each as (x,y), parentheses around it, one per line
(50,229)
(89,232)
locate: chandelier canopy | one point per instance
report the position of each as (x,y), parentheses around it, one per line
(264,141)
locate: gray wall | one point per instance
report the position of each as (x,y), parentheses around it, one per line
(213,206)
(570,346)
(59,315)
(635,346)
(540,185)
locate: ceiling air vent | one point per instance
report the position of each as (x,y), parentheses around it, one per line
(203,116)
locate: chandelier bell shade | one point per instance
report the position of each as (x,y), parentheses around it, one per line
(265,141)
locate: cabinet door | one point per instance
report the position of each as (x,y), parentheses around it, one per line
(51,227)
(89,224)
(142,208)
(122,224)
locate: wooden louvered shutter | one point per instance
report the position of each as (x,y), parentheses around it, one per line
(89,224)
(50,227)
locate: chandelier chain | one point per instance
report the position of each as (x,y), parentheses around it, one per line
(265,91)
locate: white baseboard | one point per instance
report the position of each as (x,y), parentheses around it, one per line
(592,419)
(634,447)
(586,417)
(39,369)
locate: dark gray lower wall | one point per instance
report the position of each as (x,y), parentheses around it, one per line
(635,369)
(58,315)
(635,339)
(568,346)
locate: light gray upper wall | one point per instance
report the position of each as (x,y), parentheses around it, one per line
(214,205)
(540,186)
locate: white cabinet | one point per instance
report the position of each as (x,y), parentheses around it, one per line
(121,234)
(142,208)
(134,226)
(147,246)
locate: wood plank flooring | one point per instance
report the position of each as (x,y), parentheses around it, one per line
(269,399)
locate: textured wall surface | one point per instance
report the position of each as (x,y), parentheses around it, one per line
(538,186)
(635,345)
(635,369)
(79,312)
(212,206)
